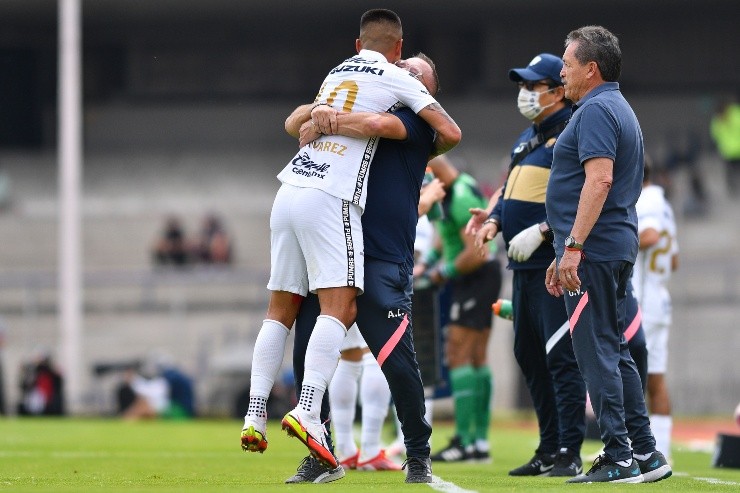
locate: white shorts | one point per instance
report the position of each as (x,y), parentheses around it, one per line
(353,339)
(656,335)
(315,242)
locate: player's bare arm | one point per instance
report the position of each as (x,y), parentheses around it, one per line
(299,116)
(593,195)
(431,193)
(448,133)
(648,238)
(356,125)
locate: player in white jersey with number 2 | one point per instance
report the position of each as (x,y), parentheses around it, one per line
(316,232)
(656,260)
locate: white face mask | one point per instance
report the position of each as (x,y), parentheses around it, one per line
(529,103)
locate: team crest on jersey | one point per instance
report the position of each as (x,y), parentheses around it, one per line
(551,142)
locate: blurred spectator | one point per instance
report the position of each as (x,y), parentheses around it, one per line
(157,389)
(213,245)
(725,131)
(143,395)
(171,248)
(685,151)
(182,393)
(42,387)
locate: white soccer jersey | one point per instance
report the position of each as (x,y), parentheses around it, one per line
(340,165)
(653,266)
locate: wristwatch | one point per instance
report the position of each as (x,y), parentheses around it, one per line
(571,243)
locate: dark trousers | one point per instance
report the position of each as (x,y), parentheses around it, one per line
(636,341)
(384,319)
(597,313)
(543,349)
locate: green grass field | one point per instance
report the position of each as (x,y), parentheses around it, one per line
(110,455)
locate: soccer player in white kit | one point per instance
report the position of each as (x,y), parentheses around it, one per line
(316,233)
(656,260)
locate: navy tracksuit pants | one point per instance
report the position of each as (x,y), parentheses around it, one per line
(597,315)
(543,349)
(384,319)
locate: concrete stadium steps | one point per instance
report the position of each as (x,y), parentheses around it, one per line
(126,201)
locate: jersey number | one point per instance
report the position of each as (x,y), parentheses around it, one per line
(660,251)
(348,85)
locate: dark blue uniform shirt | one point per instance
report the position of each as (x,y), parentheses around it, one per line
(603,125)
(522,202)
(391,211)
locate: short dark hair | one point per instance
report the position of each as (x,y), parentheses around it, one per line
(380,15)
(380,29)
(597,44)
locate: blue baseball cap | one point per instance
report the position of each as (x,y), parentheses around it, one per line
(543,66)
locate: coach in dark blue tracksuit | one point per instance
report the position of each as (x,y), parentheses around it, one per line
(594,184)
(384,309)
(542,344)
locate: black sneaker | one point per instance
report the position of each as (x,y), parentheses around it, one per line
(477,455)
(418,470)
(313,471)
(655,467)
(567,464)
(606,470)
(539,465)
(454,452)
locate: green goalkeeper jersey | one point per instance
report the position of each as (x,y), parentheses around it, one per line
(461,196)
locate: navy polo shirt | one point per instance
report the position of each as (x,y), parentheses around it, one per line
(603,125)
(396,173)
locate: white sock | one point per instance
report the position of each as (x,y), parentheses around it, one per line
(662,426)
(267,359)
(375,396)
(322,357)
(399,431)
(343,399)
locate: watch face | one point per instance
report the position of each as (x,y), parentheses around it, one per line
(569,241)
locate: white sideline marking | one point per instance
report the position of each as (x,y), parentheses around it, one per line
(718,481)
(440,484)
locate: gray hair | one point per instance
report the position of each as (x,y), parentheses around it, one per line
(597,44)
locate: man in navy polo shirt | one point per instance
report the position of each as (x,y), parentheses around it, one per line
(594,184)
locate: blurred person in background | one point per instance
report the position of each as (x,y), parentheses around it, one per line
(42,386)
(143,394)
(156,389)
(657,258)
(542,343)
(476,283)
(725,131)
(171,248)
(213,245)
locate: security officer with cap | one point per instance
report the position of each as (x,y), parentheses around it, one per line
(542,343)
